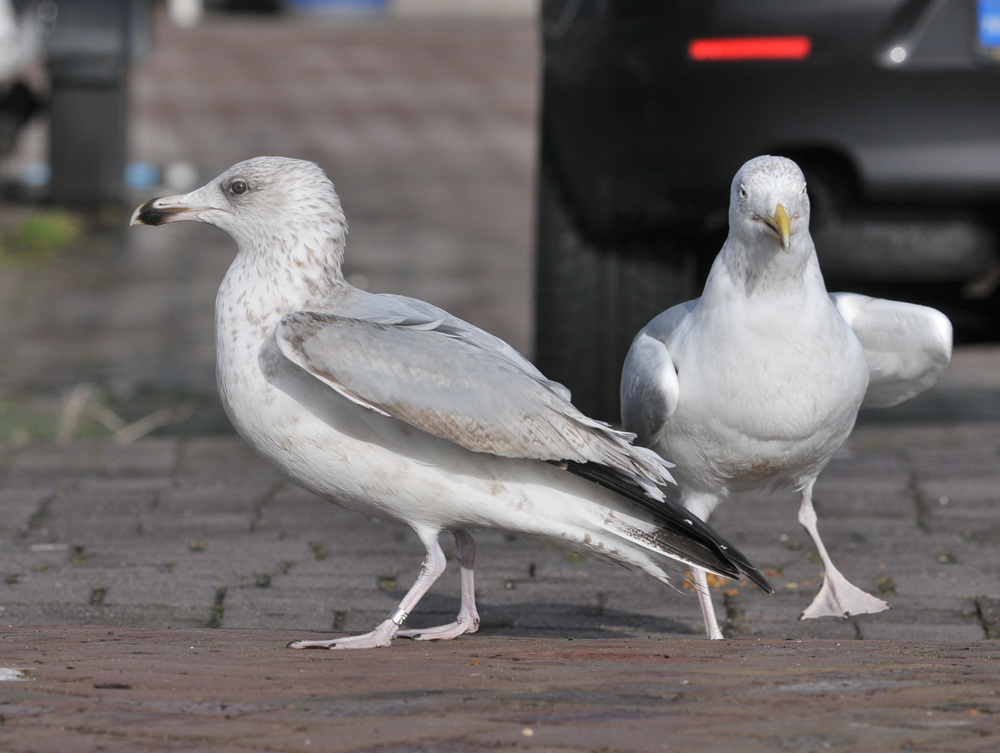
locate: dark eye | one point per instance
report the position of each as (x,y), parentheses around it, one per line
(743,192)
(238,187)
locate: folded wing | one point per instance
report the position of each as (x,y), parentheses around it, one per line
(412,312)
(650,389)
(427,375)
(908,346)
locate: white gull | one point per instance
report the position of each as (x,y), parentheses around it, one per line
(760,380)
(392,407)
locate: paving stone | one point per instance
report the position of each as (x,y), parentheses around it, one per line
(98,458)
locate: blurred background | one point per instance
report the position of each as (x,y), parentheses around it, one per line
(495,157)
(423,113)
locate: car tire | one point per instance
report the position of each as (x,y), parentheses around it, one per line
(593,296)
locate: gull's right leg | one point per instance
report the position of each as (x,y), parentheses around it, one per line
(705,601)
(468,618)
(430,571)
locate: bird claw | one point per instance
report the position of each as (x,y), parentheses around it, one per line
(377,638)
(299,645)
(442,632)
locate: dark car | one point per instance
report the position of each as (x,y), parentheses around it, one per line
(891,108)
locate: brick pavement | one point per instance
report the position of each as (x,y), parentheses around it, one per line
(236,690)
(199,532)
(178,568)
(211,562)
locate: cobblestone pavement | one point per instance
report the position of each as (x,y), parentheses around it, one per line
(199,542)
(199,532)
(149,588)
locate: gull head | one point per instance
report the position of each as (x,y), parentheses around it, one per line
(768,203)
(269,205)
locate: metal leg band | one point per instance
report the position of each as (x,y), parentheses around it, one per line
(398,615)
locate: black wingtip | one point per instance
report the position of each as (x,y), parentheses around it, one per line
(739,561)
(743,563)
(757,579)
(705,546)
(733,555)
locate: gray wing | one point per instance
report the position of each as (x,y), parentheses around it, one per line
(650,389)
(412,312)
(454,389)
(908,346)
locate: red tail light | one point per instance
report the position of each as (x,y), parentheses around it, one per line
(750,48)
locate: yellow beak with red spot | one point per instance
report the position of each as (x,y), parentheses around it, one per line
(780,227)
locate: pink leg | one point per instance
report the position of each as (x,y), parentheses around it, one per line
(837,597)
(430,571)
(702,504)
(468,617)
(705,601)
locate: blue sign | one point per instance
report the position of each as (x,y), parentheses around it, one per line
(988,23)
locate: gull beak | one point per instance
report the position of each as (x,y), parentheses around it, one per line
(166,209)
(780,226)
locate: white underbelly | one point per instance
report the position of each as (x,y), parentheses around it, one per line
(749,418)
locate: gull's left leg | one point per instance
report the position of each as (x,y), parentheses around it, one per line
(468,618)
(430,571)
(837,597)
(702,504)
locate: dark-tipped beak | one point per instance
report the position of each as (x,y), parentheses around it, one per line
(780,227)
(165,209)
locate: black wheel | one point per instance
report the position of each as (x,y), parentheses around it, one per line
(592,297)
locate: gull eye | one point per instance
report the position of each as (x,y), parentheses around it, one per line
(238,187)
(743,191)
(803,190)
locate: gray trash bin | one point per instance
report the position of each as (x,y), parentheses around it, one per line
(89,50)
